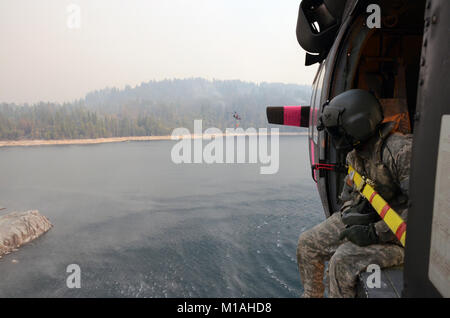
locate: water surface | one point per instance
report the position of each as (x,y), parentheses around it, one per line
(140,226)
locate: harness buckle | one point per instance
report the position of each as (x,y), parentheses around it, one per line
(370,182)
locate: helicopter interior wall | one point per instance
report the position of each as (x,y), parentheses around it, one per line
(385,61)
(389,67)
(389,60)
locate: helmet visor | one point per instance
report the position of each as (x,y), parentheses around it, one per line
(334,132)
(341,140)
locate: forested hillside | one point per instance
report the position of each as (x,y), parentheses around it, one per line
(152,108)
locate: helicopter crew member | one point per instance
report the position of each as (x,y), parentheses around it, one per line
(355,237)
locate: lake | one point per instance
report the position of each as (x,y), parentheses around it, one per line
(139,225)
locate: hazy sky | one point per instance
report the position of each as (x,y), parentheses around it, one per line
(122,42)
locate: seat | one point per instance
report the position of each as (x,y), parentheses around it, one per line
(396,110)
(391,284)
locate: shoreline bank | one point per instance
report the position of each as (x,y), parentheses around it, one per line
(36,142)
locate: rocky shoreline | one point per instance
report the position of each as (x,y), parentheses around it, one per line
(18,228)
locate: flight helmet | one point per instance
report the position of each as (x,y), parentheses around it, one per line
(351,118)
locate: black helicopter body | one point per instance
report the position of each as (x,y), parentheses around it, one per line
(400,51)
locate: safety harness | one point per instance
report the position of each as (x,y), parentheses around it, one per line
(387,214)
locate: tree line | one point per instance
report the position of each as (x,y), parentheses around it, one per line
(153,108)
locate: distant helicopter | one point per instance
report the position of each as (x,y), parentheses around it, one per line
(237,118)
(404,60)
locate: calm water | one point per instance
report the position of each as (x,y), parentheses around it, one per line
(140,226)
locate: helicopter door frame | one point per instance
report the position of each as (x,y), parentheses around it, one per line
(425,218)
(316,144)
(328,183)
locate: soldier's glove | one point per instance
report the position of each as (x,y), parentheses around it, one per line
(361,235)
(361,214)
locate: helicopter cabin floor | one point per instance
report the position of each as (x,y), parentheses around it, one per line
(391,284)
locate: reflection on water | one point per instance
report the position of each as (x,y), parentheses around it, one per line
(140,226)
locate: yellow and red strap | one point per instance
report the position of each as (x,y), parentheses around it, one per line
(387,214)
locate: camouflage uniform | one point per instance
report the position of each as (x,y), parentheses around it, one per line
(385,159)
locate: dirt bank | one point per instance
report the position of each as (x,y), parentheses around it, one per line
(12,143)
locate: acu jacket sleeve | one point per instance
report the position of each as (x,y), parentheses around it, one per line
(397,157)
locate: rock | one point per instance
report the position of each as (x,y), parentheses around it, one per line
(18,228)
